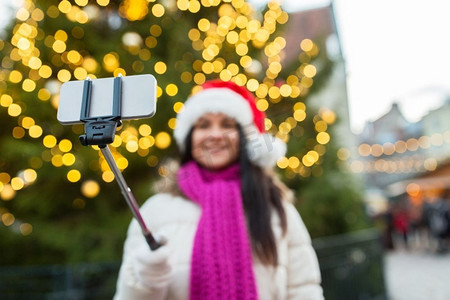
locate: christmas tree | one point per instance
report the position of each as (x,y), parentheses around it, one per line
(59,202)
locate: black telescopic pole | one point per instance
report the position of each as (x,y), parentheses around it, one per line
(129,197)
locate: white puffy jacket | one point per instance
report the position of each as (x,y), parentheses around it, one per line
(297,275)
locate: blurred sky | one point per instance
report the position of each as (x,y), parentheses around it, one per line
(394,50)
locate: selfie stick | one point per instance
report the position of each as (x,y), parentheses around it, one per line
(101,131)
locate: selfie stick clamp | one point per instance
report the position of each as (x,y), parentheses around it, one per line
(101,131)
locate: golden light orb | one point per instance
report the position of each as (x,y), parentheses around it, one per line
(80,73)
(145,130)
(110,61)
(309,71)
(103,2)
(299,115)
(158,10)
(122,163)
(14,110)
(64,6)
(29,175)
(108,176)
(65,145)
(18,132)
(162,140)
(57,160)
(306,45)
(64,75)
(15,76)
(8,219)
(204,24)
(81,2)
(323,138)
(25,229)
(364,149)
(35,63)
(6,100)
(90,188)
(283,163)
(343,154)
(45,71)
(171,89)
(68,159)
(59,46)
(17,183)
(28,85)
(35,131)
(49,141)
(160,67)
(132,146)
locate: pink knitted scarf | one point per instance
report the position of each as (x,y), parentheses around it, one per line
(221,266)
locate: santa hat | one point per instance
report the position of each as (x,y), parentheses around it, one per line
(218,96)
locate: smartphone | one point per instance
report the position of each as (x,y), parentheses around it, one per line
(138,98)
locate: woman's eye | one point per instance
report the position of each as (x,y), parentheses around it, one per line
(202,125)
(229,124)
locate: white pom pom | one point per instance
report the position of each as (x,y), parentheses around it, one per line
(264,150)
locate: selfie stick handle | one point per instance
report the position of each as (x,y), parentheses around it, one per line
(129,197)
(101,131)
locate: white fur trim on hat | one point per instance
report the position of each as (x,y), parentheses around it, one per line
(263,149)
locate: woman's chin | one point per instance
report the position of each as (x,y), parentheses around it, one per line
(215,166)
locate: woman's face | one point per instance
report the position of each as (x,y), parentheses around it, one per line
(215,141)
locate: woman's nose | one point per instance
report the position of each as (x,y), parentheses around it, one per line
(216,132)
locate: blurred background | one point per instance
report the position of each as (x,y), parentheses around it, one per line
(358,89)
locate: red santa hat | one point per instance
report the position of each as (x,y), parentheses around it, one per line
(226,97)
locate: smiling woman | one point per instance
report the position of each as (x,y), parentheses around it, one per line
(231,229)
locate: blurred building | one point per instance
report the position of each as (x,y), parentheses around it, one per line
(384,148)
(399,158)
(436,125)
(389,128)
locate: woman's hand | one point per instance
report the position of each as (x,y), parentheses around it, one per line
(152,268)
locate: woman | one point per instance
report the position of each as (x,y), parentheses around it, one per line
(231,231)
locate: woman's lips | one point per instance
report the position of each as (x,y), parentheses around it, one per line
(215,150)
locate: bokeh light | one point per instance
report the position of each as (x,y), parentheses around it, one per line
(90,188)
